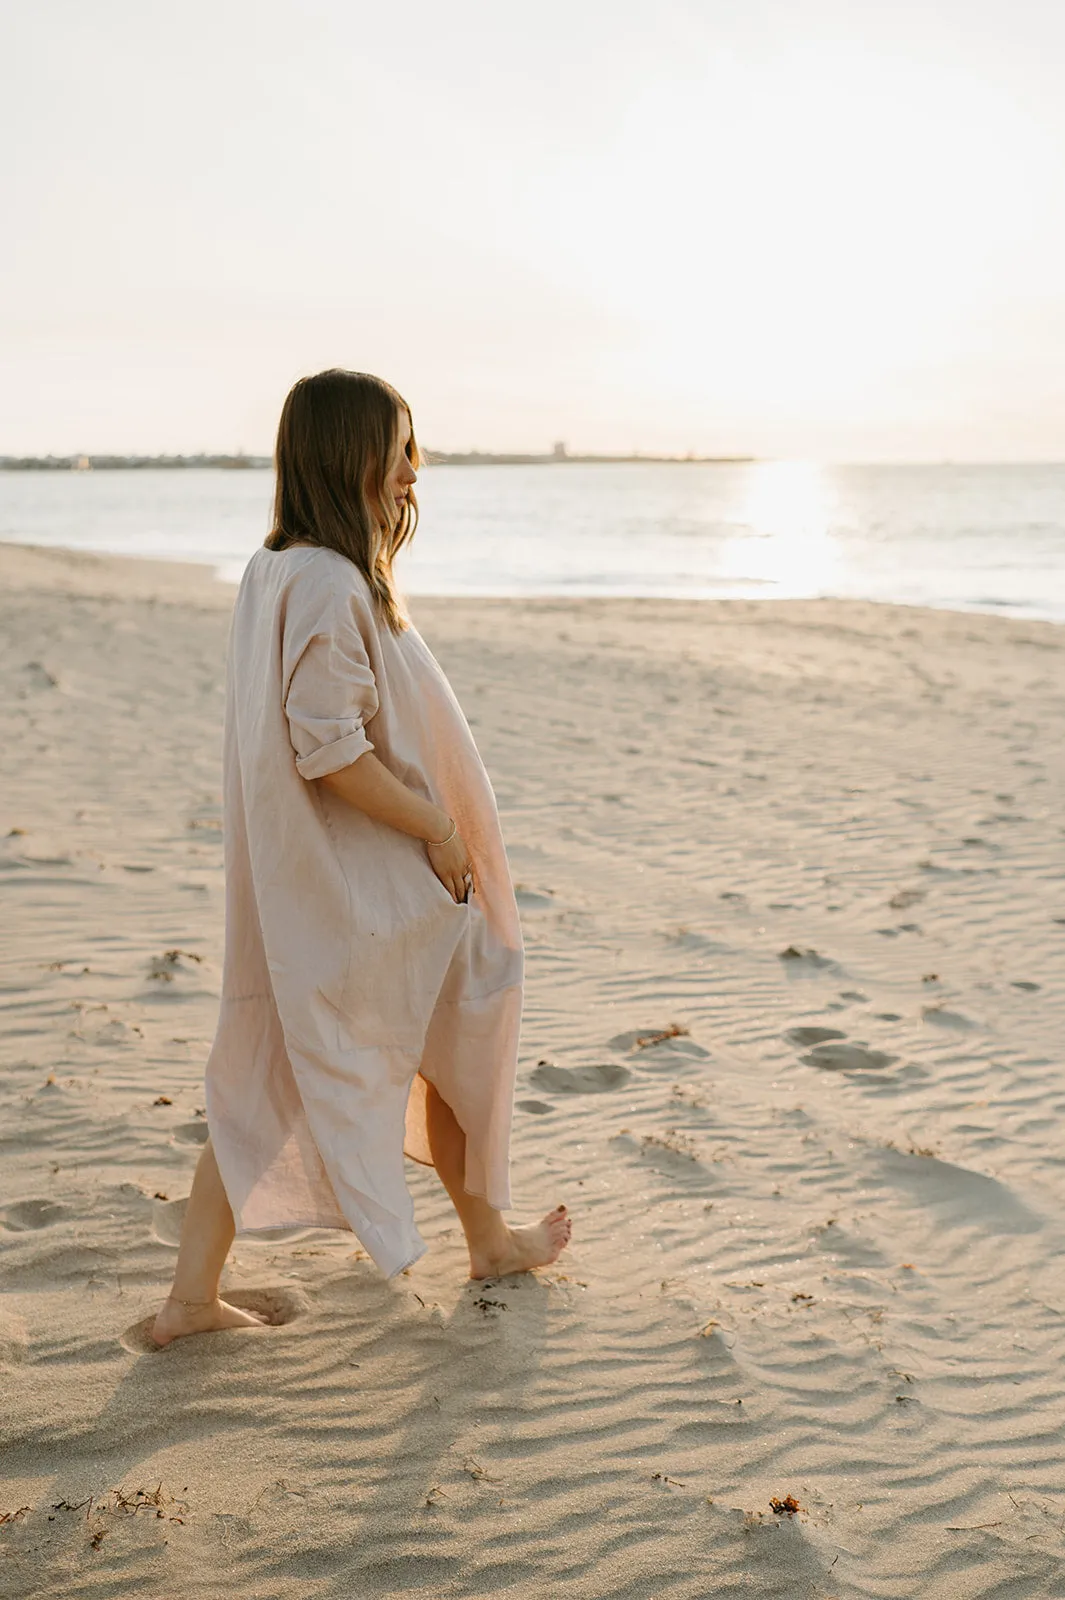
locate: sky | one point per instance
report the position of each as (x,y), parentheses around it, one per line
(812,229)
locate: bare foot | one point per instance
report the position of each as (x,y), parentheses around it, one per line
(536,1245)
(174,1321)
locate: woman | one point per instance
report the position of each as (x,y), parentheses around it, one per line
(372,986)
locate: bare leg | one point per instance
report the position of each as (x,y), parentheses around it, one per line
(495,1249)
(206,1236)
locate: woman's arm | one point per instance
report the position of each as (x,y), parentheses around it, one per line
(368,784)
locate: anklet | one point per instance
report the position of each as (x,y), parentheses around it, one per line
(192,1305)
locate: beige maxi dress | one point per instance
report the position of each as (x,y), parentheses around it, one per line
(351,976)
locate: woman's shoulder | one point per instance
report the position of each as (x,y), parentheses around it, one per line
(316,564)
(319,587)
(296,555)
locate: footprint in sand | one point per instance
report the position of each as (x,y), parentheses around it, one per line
(35,675)
(192,1132)
(848,1058)
(687,939)
(107,1034)
(534,899)
(278,1306)
(207,827)
(799,957)
(535,1108)
(906,897)
(956,1196)
(595,1078)
(943,1017)
(807,1036)
(167,1217)
(24,1215)
(39,857)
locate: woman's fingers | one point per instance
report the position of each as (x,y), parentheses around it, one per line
(451,863)
(453,882)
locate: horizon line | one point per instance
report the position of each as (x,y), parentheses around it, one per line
(77,460)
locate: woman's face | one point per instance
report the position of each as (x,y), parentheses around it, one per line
(401,475)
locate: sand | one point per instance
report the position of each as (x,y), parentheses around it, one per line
(792,877)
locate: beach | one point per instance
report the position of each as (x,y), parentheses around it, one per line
(792,882)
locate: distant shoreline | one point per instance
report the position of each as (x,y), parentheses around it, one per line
(436,458)
(82,463)
(557,458)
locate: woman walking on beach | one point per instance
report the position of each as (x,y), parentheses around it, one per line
(372,986)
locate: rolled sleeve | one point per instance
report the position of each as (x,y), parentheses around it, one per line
(331,757)
(332,694)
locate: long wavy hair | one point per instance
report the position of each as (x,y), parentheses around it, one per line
(335,445)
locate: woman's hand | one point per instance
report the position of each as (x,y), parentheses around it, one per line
(451,863)
(368,784)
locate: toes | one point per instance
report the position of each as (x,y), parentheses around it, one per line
(560,1230)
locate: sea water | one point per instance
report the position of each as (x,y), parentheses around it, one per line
(986,538)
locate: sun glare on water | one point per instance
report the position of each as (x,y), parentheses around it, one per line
(782,536)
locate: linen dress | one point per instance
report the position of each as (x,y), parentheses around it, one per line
(351,977)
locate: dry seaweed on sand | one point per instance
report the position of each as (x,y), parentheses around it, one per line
(675,1030)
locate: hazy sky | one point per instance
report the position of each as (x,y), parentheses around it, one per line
(824,228)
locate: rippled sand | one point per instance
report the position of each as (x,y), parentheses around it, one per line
(793,885)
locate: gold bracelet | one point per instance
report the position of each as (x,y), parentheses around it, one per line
(451,835)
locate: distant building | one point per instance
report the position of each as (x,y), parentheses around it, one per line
(559,451)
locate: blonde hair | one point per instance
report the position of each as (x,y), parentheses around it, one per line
(335,443)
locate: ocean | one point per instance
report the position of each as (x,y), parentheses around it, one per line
(972,538)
